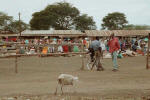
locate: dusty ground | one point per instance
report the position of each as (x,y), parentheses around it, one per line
(37,76)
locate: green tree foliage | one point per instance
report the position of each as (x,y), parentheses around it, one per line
(60,16)
(85,22)
(137,27)
(8,24)
(17,26)
(41,20)
(5,20)
(114,21)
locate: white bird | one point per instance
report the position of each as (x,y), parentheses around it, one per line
(65,79)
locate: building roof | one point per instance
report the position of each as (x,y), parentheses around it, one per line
(52,33)
(14,35)
(7,33)
(76,33)
(117,32)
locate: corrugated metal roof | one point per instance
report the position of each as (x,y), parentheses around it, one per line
(74,33)
(9,35)
(52,33)
(30,32)
(117,32)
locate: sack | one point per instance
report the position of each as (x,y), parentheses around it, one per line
(75,49)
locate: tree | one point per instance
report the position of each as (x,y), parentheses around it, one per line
(17,26)
(137,27)
(85,22)
(41,21)
(60,16)
(5,20)
(8,24)
(114,21)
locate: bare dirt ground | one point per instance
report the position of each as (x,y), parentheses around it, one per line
(38,77)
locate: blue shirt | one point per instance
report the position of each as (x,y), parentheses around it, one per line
(95,45)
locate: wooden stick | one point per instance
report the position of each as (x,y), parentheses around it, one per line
(32,44)
(82,68)
(147,60)
(16,65)
(48,54)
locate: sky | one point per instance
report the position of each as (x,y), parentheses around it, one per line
(136,11)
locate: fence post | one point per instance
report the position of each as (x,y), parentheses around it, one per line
(38,50)
(16,59)
(16,65)
(82,68)
(147,60)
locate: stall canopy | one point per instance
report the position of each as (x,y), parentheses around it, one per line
(7,33)
(77,33)
(65,33)
(124,33)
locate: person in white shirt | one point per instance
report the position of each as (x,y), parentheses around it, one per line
(103,47)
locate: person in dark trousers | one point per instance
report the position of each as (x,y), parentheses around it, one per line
(95,47)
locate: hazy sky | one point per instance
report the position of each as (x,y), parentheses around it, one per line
(136,11)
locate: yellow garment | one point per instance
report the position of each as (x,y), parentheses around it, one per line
(4,46)
(45,50)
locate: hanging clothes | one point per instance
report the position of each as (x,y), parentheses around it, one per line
(60,49)
(75,49)
(45,50)
(51,49)
(65,48)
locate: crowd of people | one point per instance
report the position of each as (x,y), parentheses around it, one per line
(139,45)
(133,44)
(47,45)
(116,47)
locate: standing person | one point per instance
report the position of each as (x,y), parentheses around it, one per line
(84,42)
(103,47)
(96,47)
(134,46)
(113,48)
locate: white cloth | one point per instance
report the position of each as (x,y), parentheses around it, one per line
(103,46)
(32,51)
(60,49)
(108,55)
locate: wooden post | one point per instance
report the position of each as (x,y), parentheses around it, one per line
(82,47)
(19,26)
(16,65)
(38,50)
(147,60)
(16,60)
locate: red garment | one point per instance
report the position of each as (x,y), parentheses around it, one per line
(65,48)
(113,45)
(14,39)
(84,42)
